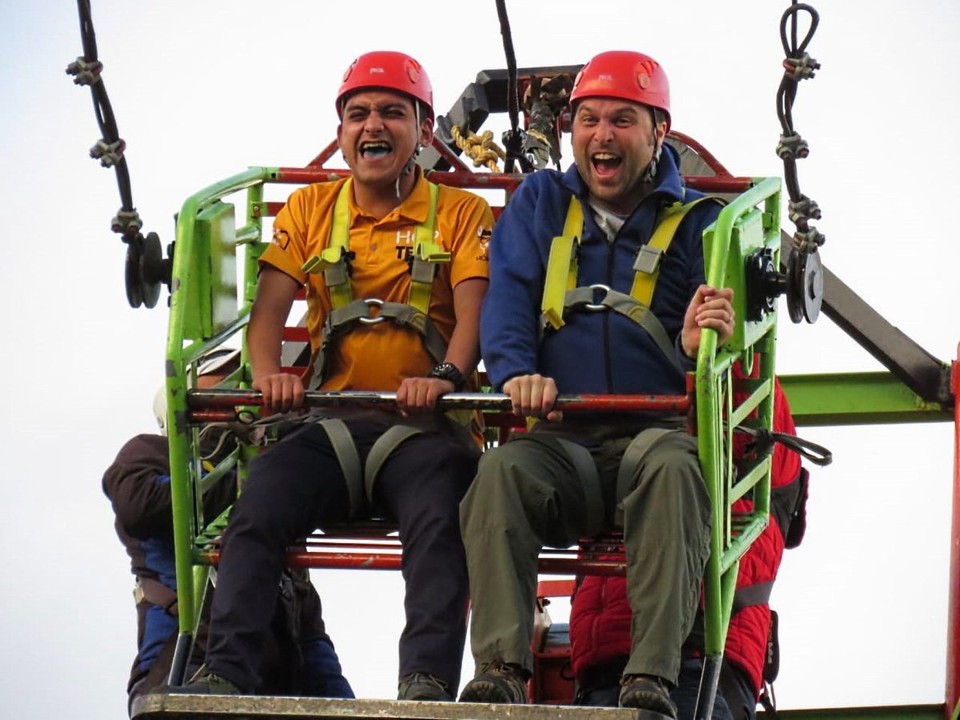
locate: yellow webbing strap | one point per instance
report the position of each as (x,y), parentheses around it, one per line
(426,253)
(332,260)
(647,264)
(561,274)
(345,312)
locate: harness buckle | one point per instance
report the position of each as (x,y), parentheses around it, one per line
(648,260)
(327,259)
(372,319)
(597,306)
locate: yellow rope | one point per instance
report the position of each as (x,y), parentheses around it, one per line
(479,148)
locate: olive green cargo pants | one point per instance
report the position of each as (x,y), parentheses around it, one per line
(539,488)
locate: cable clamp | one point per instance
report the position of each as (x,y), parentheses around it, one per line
(803,209)
(808,240)
(126,222)
(85,73)
(801,68)
(792,147)
(109,154)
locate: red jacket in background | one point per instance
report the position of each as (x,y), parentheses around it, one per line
(600,615)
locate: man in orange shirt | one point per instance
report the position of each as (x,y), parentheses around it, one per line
(395,270)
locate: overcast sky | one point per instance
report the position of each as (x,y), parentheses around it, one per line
(202,90)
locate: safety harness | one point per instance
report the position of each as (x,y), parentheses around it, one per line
(562,295)
(360,478)
(347,313)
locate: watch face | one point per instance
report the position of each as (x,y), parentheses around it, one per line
(442,371)
(448,371)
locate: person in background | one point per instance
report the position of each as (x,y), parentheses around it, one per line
(302,657)
(600,613)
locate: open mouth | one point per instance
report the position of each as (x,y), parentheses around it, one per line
(605,163)
(376,149)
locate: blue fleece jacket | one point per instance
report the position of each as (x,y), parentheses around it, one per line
(595,352)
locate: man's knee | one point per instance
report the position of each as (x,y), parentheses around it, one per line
(667,478)
(494,488)
(435,468)
(669,468)
(500,473)
(674,451)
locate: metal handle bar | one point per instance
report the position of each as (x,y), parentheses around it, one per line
(215,399)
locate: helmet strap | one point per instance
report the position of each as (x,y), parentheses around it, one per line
(412,160)
(651,172)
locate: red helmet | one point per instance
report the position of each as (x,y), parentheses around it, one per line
(625,75)
(390,70)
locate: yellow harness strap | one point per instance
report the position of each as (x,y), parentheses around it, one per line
(426,255)
(561,273)
(562,268)
(332,260)
(647,264)
(346,312)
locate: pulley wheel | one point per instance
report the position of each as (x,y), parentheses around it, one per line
(143,271)
(132,272)
(804,286)
(151,269)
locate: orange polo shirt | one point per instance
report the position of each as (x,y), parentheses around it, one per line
(381,355)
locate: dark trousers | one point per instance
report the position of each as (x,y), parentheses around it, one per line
(297,486)
(735,698)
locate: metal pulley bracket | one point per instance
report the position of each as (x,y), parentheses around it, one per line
(145,270)
(804,285)
(764,284)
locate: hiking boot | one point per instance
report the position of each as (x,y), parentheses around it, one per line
(423,686)
(497,683)
(206,683)
(646,692)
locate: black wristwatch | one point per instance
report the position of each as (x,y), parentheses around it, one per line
(448,371)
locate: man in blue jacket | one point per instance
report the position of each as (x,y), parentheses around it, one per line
(597,286)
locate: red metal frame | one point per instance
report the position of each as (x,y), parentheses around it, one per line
(552,682)
(351,552)
(953,607)
(463,176)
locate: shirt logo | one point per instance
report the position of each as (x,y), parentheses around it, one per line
(280,238)
(405,238)
(404,244)
(485,235)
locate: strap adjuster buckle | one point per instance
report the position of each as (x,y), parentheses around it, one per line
(648,260)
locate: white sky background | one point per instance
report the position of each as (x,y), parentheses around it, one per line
(201,90)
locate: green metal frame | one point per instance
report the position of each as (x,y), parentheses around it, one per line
(207,309)
(741,229)
(864,398)
(210,306)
